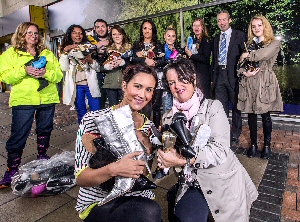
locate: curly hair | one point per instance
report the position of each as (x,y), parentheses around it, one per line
(67,39)
(154,32)
(122,32)
(268,31)
(205,31)
(18,40)
(133,70)
(184,69)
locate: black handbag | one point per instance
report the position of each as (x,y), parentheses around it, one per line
(101,158)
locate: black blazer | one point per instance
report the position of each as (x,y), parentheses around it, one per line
(201,61)
(235,49)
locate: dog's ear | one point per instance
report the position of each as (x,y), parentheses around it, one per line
(87,141)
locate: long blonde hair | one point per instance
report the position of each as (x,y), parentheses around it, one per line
(268,31)
(18,40)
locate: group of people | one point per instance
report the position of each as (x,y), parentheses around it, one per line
(144,76)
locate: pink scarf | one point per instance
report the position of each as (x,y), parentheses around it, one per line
(190,107)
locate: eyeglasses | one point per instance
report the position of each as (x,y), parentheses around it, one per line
(32,33)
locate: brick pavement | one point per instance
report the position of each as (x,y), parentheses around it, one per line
(285,140)
(283,170)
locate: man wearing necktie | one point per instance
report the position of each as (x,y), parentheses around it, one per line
(227,48)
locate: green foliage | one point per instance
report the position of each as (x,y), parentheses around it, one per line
(283,15)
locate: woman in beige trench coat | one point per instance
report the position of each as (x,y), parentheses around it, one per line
(221,184)
(259,91)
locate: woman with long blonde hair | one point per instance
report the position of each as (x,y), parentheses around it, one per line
(259,91)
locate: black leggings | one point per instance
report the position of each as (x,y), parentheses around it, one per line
(126,209)
(267,127)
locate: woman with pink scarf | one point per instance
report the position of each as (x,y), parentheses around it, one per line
(213,180)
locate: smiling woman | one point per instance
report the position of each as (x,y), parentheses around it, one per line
(76,60)
(214,180)
(33,94)
(119,54)
(138,86)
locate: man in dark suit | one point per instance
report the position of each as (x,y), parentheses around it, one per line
(226,51)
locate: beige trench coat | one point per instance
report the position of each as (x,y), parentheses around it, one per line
(260,93)
(227,188)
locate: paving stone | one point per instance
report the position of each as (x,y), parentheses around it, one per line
(66,212)
(18,208)
(264,215)
(290,200)
(269,207)
(274,184)
(269,177)
(291,214)
(291,188)
(270,199)
(270,191)
(276,173)
(293,174)
(293,182)
(277,167)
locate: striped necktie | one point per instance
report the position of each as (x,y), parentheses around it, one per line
(222,51)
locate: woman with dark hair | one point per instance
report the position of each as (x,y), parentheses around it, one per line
(33,71)
(118,53)
(148,50)
(81,77)
(200,56)
(138,86)
(259,91)
(212,178)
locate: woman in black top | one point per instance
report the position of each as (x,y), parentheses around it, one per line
(148,50)
(200,56)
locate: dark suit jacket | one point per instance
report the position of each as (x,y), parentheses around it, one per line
(201,61)
(235,49)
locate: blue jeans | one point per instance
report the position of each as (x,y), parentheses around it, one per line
(83,91)
(114,96)
(22,119)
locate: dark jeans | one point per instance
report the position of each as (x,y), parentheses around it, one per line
(114,96)
(22,119)
(192,207)
(126,209)
(225,93)
(103,97)
(83,91)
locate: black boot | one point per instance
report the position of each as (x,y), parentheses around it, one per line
(266,152)
(252,151)
(42,146)
(252,122)
(13,162)
(267,128)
